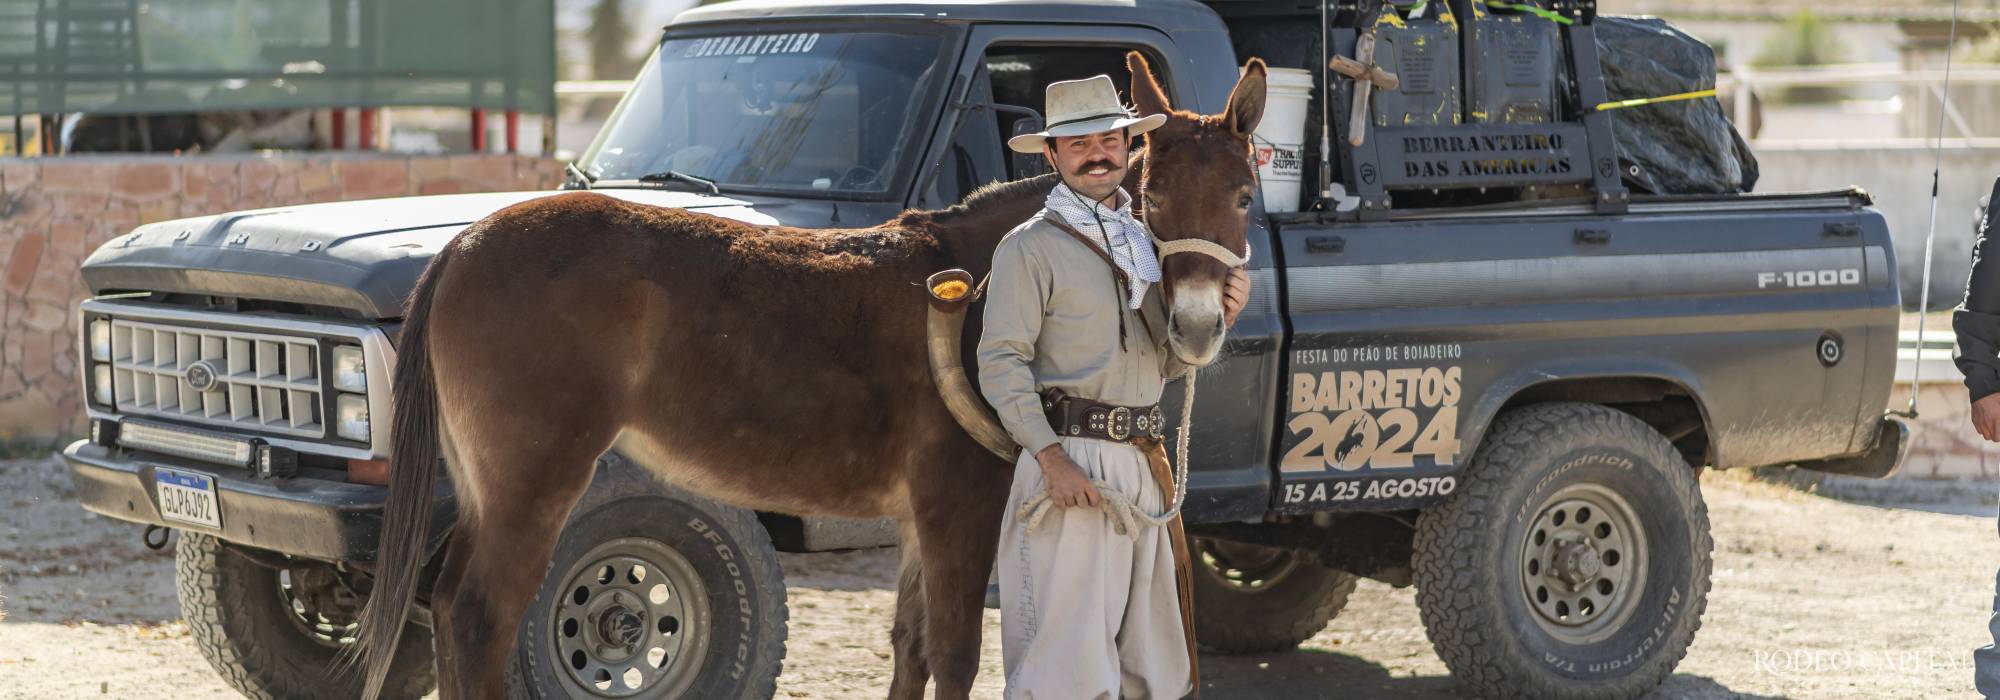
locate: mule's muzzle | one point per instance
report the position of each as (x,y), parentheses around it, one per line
(1194,327)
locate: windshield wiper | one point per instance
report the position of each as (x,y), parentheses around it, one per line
(582,179)
(678,176)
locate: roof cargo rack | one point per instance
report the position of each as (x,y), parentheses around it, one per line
(1518,75)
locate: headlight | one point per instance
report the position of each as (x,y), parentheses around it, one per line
(350,372)
(351,417)
(100,384)
(100,341)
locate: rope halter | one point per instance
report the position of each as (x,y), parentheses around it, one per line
(1203,247)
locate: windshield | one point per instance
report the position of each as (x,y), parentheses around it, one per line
(833,113)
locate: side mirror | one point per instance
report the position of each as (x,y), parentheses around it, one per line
(1027,165)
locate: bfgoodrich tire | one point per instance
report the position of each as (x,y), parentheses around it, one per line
(1572,562)
(655,597)
(263,633)
(1250,599)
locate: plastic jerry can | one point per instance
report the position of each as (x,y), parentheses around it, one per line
(1513,64)
(1418,41)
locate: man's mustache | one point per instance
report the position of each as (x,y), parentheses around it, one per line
(1087,167)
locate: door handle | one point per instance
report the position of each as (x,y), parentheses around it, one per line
(1592,236)
(1843,229)
(1326,244)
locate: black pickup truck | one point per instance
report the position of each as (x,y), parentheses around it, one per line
(1506,405)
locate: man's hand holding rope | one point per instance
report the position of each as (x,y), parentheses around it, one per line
(1066,484)
(1068,487)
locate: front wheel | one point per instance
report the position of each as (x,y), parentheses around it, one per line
(653,597)
(1572,562)
(277,633)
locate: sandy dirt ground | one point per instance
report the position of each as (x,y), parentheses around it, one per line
(1813,598)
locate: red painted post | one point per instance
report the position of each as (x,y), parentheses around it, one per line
(340,129)
(513,131)
(366,139)
(478,131)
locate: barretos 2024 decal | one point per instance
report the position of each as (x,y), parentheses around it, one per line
(1367,422)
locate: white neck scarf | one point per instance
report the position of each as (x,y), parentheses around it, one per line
(1130,243)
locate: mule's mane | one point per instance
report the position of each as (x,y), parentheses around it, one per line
(968,231)
(979,220)
(1192,128)
(989,195)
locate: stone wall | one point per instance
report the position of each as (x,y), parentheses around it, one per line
(55,211)
(1943,444)
(1899,177)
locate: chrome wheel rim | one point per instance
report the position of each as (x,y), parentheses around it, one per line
(334,629)
(1583,563)
(1244,567)
(631,619)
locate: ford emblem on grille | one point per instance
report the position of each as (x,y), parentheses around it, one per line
(200,376)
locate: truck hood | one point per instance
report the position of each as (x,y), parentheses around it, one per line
(363,256)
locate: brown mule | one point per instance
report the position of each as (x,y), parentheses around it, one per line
(729,359)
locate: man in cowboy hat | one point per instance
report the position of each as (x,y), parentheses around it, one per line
(1069,339)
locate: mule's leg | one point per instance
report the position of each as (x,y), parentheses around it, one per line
(958,530)
(521,493)
(907,636)
(451,575)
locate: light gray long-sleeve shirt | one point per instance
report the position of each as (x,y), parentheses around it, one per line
(1051,321)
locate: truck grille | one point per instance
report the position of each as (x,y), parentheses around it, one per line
(262,382)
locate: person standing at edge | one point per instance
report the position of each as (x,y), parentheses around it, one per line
(1976,321)
(1075,320)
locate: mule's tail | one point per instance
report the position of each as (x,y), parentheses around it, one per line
(406,517)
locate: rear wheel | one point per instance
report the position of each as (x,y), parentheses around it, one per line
(1252,599)
(1571,562)
(276,632)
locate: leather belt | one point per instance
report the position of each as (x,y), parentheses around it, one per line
(1080,417)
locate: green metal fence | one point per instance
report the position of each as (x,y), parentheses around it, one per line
(127,56)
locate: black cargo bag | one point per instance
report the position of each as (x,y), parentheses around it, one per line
(1684,147)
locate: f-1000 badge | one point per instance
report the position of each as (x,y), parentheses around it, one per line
(1379,417)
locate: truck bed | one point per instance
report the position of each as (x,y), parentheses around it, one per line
(1759,327)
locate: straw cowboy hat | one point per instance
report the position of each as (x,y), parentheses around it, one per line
(1087,106)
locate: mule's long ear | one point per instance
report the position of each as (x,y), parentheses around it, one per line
(1147,97)
(1246,102)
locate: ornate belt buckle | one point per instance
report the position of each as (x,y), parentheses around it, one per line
(1152,423)
(1121,423)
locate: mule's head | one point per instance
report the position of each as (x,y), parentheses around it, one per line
(1197,183)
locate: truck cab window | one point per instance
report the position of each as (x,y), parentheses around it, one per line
(1020,74)
(815,113)
(1016,76)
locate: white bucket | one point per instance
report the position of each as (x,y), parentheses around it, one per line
(1281,136)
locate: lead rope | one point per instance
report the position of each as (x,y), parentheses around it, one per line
(1127,516)
(1930,235)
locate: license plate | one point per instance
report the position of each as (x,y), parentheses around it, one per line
(188,497)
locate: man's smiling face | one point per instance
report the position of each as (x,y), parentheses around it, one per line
(1092,164)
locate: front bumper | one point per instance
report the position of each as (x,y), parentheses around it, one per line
(314,515)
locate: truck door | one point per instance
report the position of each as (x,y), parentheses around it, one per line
(1010,66)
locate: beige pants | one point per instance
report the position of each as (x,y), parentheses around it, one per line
(1087,613)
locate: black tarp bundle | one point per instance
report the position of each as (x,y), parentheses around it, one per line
(1685,147)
